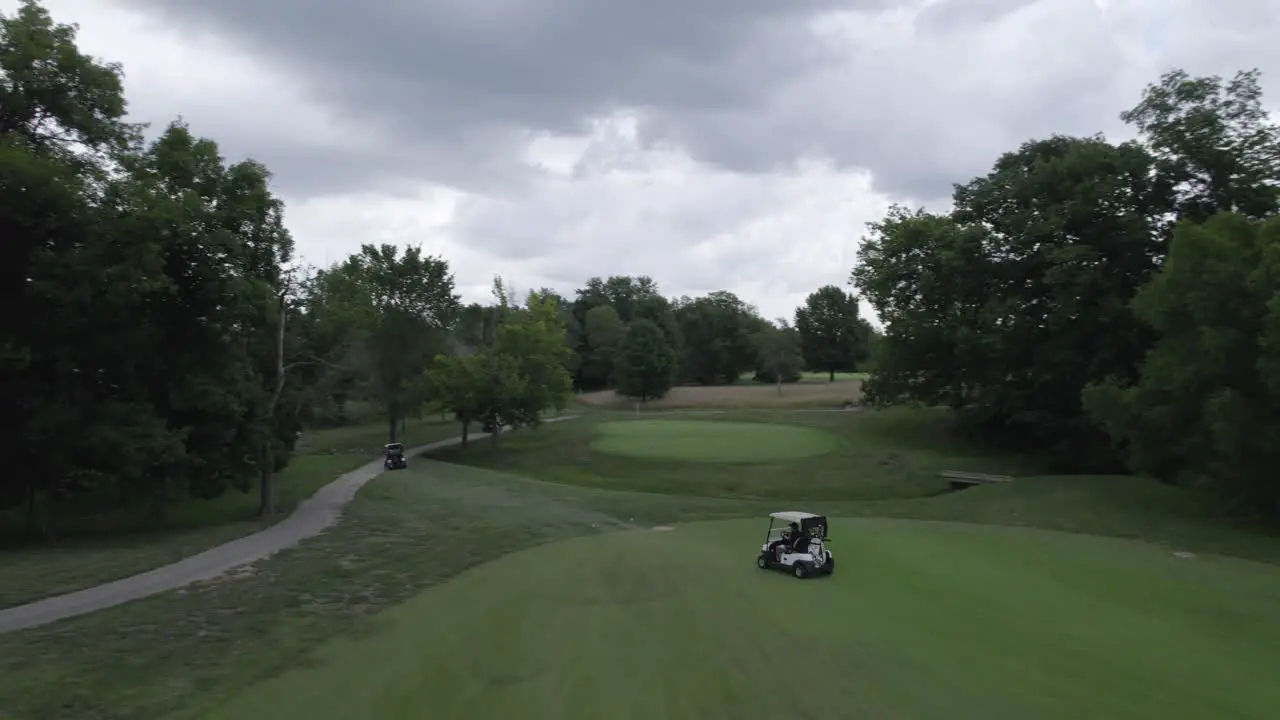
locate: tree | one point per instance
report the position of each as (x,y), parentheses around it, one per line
(832,335)
(403,306)
(1216,146)
(1015,303)
(603,330)
(143,286)
(1204,405)
(646,362)
(627,296)
(716,329)
(534,339)
(460,384)
(778,356)
(926,277)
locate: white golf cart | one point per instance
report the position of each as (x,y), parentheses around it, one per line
(797,545)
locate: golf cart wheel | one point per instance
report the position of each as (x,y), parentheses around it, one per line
(800,570)
(762,562)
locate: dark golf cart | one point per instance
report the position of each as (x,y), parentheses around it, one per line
(798,545)
(395,459)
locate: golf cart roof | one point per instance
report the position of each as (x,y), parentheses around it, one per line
(792,515)
(394,446)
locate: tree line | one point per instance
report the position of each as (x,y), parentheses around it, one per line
(1114,305)
(161,341)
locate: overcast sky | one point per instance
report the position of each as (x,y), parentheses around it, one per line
(735,144)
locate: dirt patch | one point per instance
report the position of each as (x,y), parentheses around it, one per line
(834,395)
(662,528)
(1185,554)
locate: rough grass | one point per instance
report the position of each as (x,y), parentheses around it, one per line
(679,625)
(181,654)
(742,395)
(100,548)
(716,442)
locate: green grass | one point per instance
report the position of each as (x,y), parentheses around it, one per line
(934,594)
(871,456)
(717,442)
(925,620)
(100,548)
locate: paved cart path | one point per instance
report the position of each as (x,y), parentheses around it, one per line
(313,515)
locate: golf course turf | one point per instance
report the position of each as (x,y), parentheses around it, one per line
(524,580)
(710,441)
(922,620)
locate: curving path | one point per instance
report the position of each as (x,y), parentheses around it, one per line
(312,516)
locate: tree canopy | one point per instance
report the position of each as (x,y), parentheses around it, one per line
(1107,303)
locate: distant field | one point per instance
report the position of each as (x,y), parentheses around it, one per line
(810,376)
(753,395)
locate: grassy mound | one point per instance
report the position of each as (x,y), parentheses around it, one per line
(921,620)
(873,455)
(707,441)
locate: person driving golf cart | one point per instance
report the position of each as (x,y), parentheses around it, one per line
(788,537)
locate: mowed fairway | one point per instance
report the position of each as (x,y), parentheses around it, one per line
(922,620)
(711,441)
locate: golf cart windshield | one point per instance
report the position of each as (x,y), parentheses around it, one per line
(395,448)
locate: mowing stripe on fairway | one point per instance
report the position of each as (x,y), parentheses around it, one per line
(922,620)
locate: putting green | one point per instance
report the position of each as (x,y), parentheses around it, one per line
(921,620)
(710,441)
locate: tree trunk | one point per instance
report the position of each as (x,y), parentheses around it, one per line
(466,427)
(266,455)
(777,377)
(31,508)
(266,484)
(831,376)
(393,424)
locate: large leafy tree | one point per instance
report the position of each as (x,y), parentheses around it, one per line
(646,362)
(833,337)
(143,289)
(602,332)
(533,338)
(1216,145)
(1016,302)
(460,384)
(402,306)
(778,354)
(716,329)
(1204,406)
(511,382)
(628,297)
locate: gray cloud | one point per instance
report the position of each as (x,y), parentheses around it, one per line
(445,74)
(742,84)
